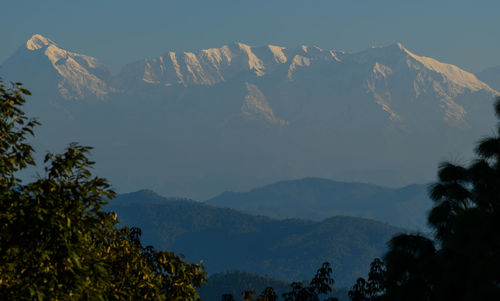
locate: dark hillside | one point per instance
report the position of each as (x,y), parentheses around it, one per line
(225,239)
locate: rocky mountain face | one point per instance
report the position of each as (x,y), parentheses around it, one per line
(212,66)
(72,75)
(235,117)
(382,72)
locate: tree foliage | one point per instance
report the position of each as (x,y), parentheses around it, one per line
(461,262)
(321,284)
(372,289)
(57,242)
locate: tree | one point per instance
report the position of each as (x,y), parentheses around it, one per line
(268,295)
(248,295)
(410,268)
(227,297)
(372,289)
(322,283)
(466,219)
(57,242)
(461,262)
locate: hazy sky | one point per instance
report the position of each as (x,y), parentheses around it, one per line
(461,32)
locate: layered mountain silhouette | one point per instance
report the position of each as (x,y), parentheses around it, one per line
(225,239)
(236,117)
(317,199)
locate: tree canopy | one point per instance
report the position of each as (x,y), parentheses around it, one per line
(57,242)
(460,261)
(320,285)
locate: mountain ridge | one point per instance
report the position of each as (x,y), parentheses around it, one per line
(317,199)
(290,249)
(77,75)
(204,66)
(242,116)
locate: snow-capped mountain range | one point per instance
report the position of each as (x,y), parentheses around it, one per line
(260,113)
(215,65)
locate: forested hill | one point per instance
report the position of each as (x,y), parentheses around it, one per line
(226,239)
(317,199)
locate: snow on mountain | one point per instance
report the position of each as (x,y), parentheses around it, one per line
(257,107)
(452,73)
(257,113)
(212,66)
(394,77)
(37,42)
(215,65)
(391,75)
(398,73)
(77,76)
(254,63)
(399,54)
(297,61)
(279,56)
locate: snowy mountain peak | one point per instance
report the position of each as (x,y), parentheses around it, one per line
(452,73)
(396,56)
(77,76)
(38,41)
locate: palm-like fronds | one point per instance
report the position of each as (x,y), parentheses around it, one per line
(409,267)
(466,223)
(497,107)
(452,192)
(441,219)
(449,172)
(488,148)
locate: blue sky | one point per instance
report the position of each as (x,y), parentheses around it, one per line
(465,33)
